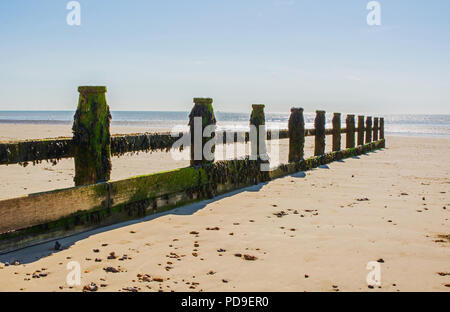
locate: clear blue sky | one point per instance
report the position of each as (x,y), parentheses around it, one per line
(158,55)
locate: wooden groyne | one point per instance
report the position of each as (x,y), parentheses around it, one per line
(95,201)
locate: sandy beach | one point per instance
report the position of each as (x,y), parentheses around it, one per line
(313,231)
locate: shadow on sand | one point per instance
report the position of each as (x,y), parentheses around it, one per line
(42,250)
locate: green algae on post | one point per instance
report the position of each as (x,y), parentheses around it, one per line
(91,137)
(368,129)
(296,130)
(336,132)
(319,125)
(202,108)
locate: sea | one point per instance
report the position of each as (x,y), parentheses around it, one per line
(398,124)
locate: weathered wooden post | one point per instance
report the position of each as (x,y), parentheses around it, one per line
(375,129)
(258,120)
(350,138)
(319,125)
(381,128)
(368,129)
(296,134)
(91,137)
(360,130)
(336,132)
(201,116)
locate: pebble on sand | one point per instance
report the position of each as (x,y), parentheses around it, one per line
(90,287)
(250,258)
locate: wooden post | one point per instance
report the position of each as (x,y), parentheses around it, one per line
(350,138)
(258,119)
(296,134)
(375,129)
(368,129)
(381,128)
(360,130)
(319,124)
(202,109)
(91,137)
(336,132)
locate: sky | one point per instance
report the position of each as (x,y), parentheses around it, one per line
(158,55)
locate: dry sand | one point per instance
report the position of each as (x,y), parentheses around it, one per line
(313,231)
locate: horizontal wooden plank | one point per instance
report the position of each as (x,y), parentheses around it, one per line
(121,144)
(35,150)
(40,208)
(154,185)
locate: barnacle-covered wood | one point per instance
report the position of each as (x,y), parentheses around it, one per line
(296,134)
(319,125)
(232,174)
(23,152)
(327,158)
(368,129)
(350,138)
(360,130)
(375,129)
(143,142)
(336,132)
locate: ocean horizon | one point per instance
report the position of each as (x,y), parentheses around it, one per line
(395,124)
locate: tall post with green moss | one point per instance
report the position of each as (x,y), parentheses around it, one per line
(296,127)
(91,137)
(381,128)
(368,130)
(360,130)
(203,110)
(336,132)
(350,138)
(258,120)
(319,125)
(375,129)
